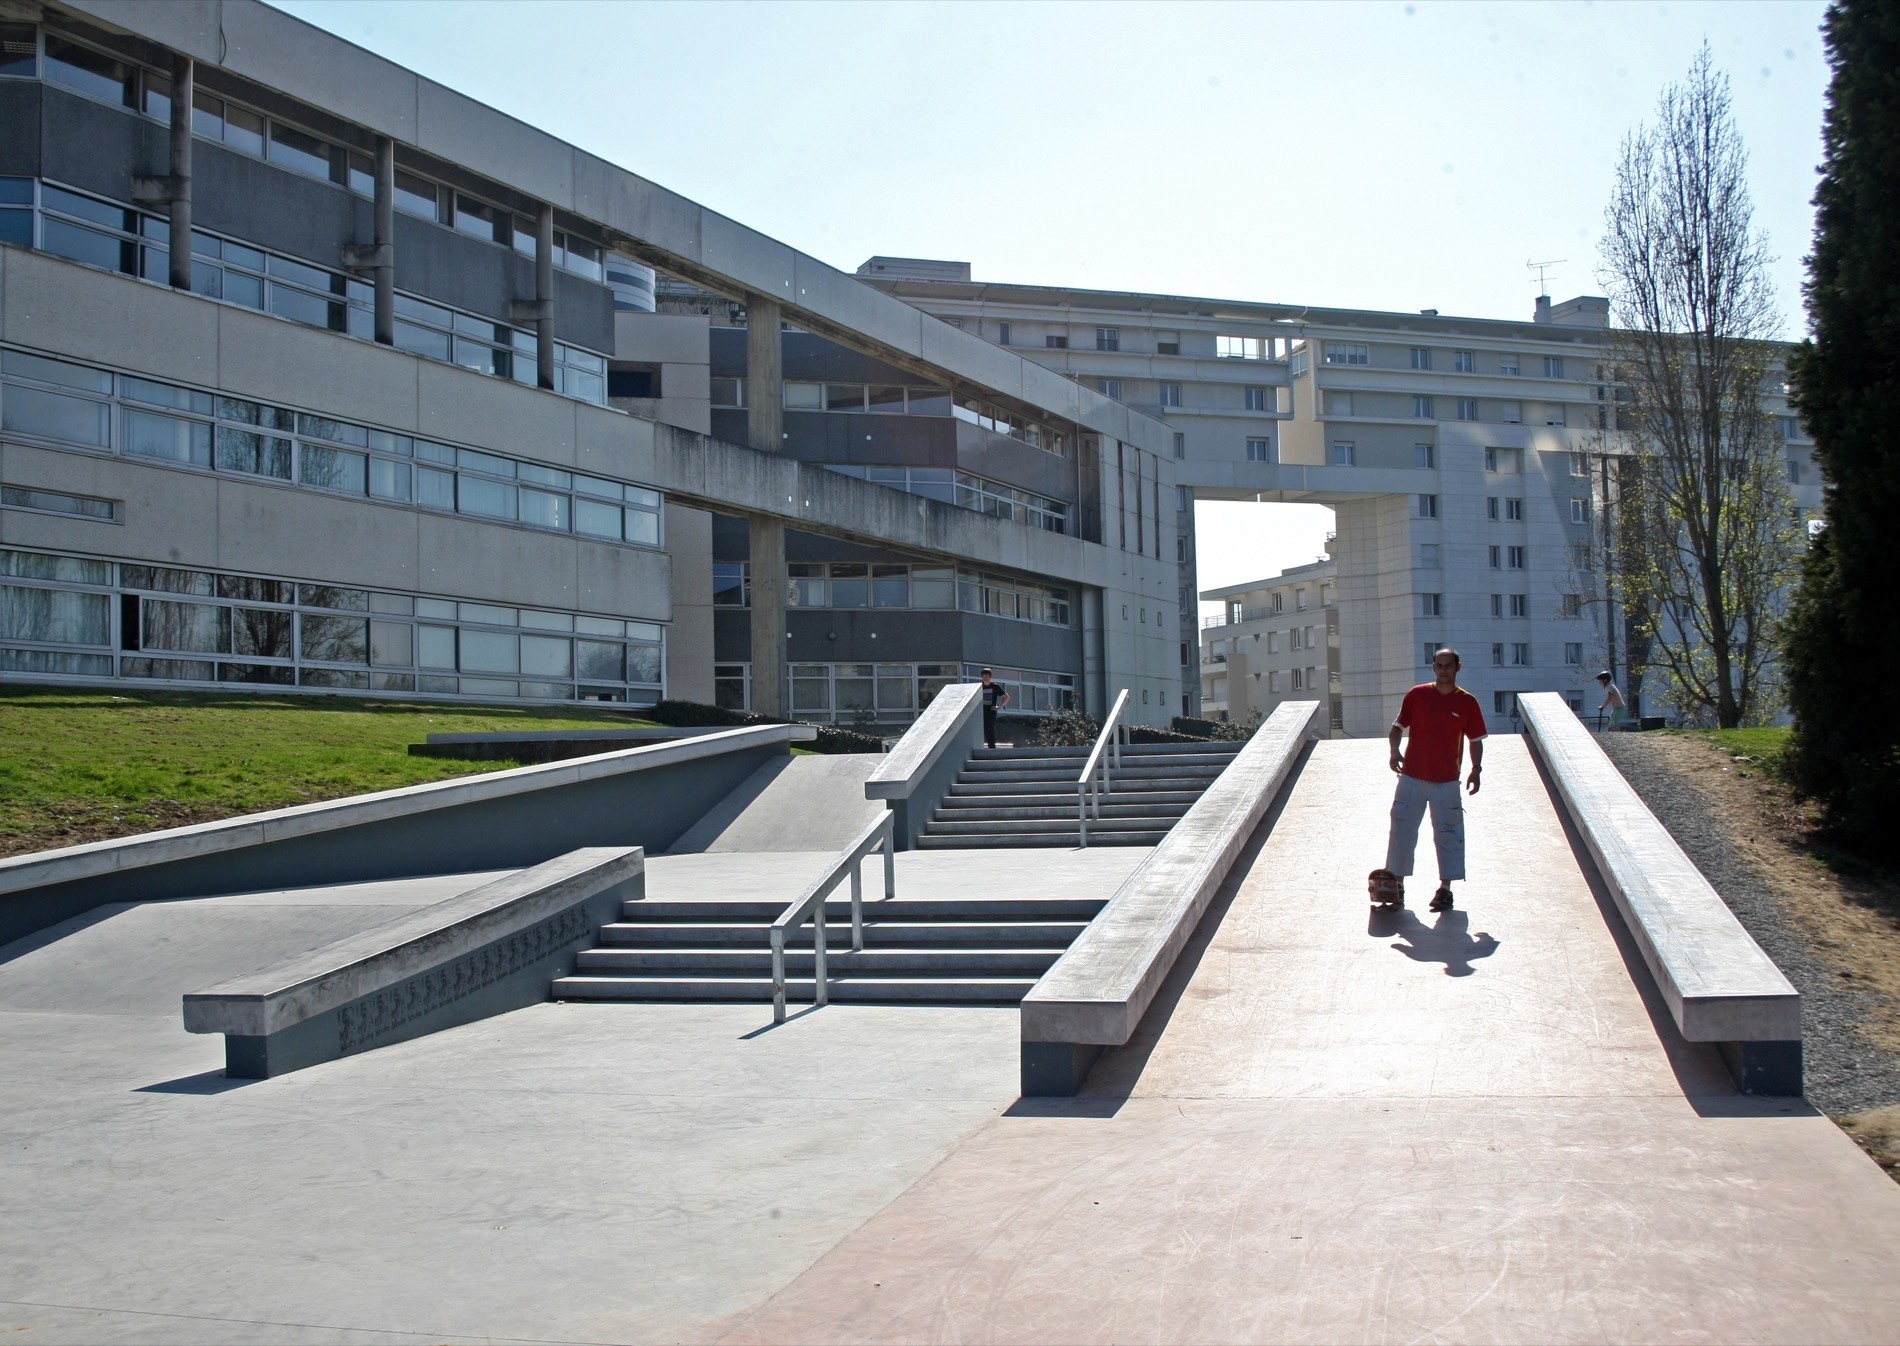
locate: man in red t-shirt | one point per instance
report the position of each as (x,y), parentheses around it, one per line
(1440,716)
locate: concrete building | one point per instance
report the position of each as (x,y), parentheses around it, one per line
(1466,461)
(315,374)
(1275,639)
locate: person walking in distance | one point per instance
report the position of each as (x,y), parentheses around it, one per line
(1612,699)
(994,698)
(1440,717)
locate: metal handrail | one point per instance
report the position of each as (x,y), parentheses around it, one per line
(1086,796)
(811,903)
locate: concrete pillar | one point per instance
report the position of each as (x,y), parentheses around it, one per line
(385,245)
(767,552)
(184,78)
(764,374)
(544,296)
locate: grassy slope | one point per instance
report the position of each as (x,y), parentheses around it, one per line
(80,766)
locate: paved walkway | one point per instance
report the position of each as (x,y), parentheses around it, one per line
(1471,1127)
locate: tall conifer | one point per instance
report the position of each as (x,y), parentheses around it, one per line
(1843,634)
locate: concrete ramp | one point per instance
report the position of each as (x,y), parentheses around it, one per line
(789,804)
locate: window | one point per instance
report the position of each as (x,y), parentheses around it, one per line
(1427,506)
(1256,399)
(1467,408)
(1056,343)
(1259,451)
(1511,413)
(1514,507)
(1299,684)
(1273,684)
(1573,652)
(1794,471)
(732,686)
(1497,605)
(1421,357)
(1428,555)
(1514,557)
(1579,464)
(1299,602)
(1293,639)
(731,584)
(1554,414)
(1335,402)
(1340,353)
(1507,364)
(1496,556)
(1491,507)
(89,72)
(1465,362)
(1431,605)
(1426,652)
(1273,642)
(1180,444)
(1501,460)
(1424,455)
(1239,348)
(1170,394)
(1343,453)
(1279,600)
(1579,510)
(1497,655)
(1581,557)
(1520,654)
(1504,703)
(1422,407)
(1002,334)
(18,47)
(57,502)
(1167,343)
(1520,605)
(1108,339)
(1570,606)
(1109,388)
(1553,366)
(1183,499)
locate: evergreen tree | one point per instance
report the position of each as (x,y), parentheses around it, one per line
(1841,634)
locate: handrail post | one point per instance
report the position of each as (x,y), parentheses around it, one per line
(778,975)
(1082,811)
(857,903)
(821,980)
(890,857)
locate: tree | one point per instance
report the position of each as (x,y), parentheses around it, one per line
(1706,528)
(1845,750)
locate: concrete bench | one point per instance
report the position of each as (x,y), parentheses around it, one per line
(492,949)
(1097,992)
(1719,985)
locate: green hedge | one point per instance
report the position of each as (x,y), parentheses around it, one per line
(695,715)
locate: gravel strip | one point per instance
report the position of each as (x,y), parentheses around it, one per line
(1844,1072)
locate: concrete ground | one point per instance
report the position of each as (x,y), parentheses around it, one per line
(596,1173)
(1470,1127)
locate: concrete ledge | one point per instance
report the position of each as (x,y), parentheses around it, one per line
(494,948)
(642,796)
(916,773)
(1719,985)
(1097,992)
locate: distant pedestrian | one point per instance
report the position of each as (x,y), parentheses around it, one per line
(1441,717)
(1612,699)
(994,699)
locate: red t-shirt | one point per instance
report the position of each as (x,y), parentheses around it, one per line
(1439,726)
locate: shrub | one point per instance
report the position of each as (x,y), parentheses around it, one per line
(1067,729)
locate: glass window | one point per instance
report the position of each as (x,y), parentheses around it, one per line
(928,402)
(850,585)
(31,411)
(299,151)
(545,509)
(387,480)
(435,489)
(55,616)
(597,519)
(88,71)
(244,131)
(491,499)
(844,397)
(248,451)
(805,584)
(18,43)
(483,220)
(333,469)
(490,652)
(887,399)
(547,657)
(933,587)
(600,661)
(416,196)
(643,529)
(890,586)
(198,627)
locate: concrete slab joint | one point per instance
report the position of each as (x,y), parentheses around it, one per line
(496,948)
(1719,985)
(1098,991)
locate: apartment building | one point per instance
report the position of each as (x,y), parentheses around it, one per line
(317,375)
(1275,639)
(1467,461)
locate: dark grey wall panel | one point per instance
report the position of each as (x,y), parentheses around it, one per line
(583,312)
(274,208)
(465,272)
(19,128)
(98,148)
(845,636)
(993,640)
(648,808)
(859,437)
(732,636)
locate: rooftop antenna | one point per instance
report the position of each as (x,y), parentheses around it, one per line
(1543,286)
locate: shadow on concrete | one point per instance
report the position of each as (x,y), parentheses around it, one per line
(1447,940)
(53,934)
(1704,1080)
(208,1082)
(701,835)
(762,1030)
(1116,1072)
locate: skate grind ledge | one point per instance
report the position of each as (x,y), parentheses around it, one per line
(1097,992)
(1719,985)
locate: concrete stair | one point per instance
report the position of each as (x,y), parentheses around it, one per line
(924,952)
(1026,796)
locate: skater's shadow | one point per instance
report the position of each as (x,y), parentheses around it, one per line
(1448,940)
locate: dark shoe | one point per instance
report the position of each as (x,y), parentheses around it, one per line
(1441,900)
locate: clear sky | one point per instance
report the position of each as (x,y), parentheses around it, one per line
(1363,154)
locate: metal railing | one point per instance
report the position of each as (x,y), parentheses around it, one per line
(811,903)
(1087,796)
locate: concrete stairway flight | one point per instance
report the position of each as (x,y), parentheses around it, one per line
(924,951)
(1026,796)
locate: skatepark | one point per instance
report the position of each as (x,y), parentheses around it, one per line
(1519,1119)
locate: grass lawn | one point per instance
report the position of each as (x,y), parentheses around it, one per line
(78,766)
(1764,745)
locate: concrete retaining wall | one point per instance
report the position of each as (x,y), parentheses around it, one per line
(917,772)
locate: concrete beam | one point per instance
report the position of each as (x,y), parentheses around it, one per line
(1719,985)
(769,591)
(764,374)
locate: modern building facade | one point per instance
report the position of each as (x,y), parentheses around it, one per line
(315,374)
(1275,639)
(1467,461)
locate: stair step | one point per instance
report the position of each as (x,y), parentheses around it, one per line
(906,934)
(978,841)
(859,990)
(1045,826)
(1004,806)
(877,910)
(1032,962)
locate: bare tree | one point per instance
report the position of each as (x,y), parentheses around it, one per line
(1706,533)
